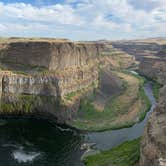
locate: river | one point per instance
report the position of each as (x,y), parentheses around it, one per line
(29,142)
(108,139)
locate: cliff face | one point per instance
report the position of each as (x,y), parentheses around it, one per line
(151,54)
(37,74)
(65,66)
(154,68)
(53,55)
(153,146)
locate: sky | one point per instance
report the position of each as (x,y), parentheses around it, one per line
(83,19)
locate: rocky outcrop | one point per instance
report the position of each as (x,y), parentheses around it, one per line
(153,146)
(154,68)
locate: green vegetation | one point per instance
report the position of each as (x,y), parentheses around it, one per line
(19,68)
(120,111)
(26,103)
(71,95)
(156,89)
(146,102)
(126,154)
(155,85)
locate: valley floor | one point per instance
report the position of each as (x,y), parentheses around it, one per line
(120,110)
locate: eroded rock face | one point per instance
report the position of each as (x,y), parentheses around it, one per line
(53,55)
(154,68)
(153,146)
(37,74)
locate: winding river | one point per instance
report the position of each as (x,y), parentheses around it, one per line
(108,139)
(29,142)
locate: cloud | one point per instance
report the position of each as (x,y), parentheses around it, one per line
(63,14)
(84,19)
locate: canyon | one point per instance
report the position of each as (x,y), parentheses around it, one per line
(50,78)
(44,70)
(152,56)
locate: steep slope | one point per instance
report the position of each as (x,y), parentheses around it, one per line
(43,72)
(151,54)
(153,146)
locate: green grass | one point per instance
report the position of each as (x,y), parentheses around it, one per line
(146,102)
(156,89)
(94,120)
(70,95)
(155,85)
(27,103)
(126,154)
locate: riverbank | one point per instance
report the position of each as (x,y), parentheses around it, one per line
(114,139)
(126,154)
(120,111)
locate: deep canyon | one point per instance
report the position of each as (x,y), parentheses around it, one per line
(89,86)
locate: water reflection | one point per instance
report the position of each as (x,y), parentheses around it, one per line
(38,143)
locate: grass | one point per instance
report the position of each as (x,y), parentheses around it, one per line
(126,154)
(155,86)
(120,111)
(70,96)
(156,89)
(26,103)
(146,102)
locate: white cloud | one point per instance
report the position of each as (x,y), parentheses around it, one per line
(63,14)
(104,19)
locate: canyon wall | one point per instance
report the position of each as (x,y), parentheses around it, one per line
(151,55)
(154,68)
(153,146)
(51,54)
(37,74)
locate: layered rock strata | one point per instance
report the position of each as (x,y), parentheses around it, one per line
(36,74)
(153,146)
(154,68)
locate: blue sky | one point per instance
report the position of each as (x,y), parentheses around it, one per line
(83,19)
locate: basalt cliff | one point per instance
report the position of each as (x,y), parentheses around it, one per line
(153,146)
(37,74)
(151,55)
